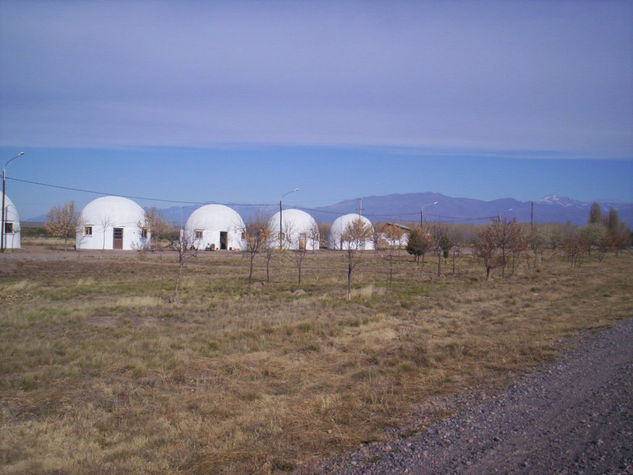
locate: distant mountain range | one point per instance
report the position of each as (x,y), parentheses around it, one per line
(435,207)
(438,207)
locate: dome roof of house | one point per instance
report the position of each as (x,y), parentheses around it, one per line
(215,217)
(339,226)
(294,221)
(112,211)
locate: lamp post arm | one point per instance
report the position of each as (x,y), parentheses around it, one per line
(10,160)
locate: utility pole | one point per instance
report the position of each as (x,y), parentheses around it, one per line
(532,216)
(422,211)
(281,221)
(360,206)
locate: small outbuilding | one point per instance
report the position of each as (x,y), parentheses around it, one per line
(12,233)
(300,230)
(338,239)
(393,235)
(112,222)
(215,227)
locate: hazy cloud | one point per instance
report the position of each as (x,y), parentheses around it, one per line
(554,76)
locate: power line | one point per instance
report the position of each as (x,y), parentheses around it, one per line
(94,192)
(200,203)
(133,197)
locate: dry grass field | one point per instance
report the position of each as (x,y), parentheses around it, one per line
(100,371)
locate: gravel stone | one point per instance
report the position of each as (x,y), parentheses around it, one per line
(573,416)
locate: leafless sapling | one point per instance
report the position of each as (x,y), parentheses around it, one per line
(441,243)
(487,248)
(353,239)
(390,242)
(159,226)
(105,223)
(255,234)
(311,236)
(182,244)
(62,222)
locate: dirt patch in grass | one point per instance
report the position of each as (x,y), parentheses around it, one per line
(100,372)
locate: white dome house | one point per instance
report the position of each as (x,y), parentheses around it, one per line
(214,227)
(11,225)
(337,231)
(112,222)
(299,228)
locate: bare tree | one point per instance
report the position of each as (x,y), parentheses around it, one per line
(354,236)
(312,236)
(574,246)
(255,234)
(536,240)
(105,222)
(158,224)
(486,248)
(324,231)
(184,249)
(441,243)
(62,222)
(518,242)
(498,240)
(391,242)
(270,248)
(456,253)
(592,234)
(504,241)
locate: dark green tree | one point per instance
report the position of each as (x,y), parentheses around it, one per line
(595,213)
(613,221)
(419,243)
(446,245)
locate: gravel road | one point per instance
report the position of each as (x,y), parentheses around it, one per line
(573,416)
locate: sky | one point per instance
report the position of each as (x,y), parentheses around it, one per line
(243,101)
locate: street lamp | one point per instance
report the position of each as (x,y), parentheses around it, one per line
(422,210)
(281,222)
(4,187)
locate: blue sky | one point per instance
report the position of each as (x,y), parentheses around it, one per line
(242,101)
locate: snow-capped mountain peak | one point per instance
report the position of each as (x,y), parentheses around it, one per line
(560,201)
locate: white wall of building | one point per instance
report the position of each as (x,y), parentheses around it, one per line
(13,233)
(339,226)
(205,227)
(300,229)
(101,217)
(387,239)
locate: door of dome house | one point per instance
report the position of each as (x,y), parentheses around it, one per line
(117,238)
(223,239)
(303,238)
